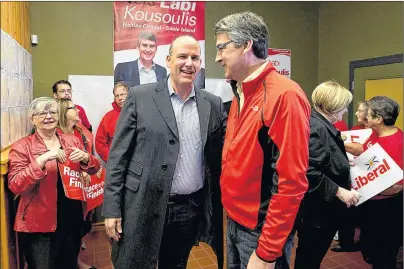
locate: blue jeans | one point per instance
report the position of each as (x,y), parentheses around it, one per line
(241,243)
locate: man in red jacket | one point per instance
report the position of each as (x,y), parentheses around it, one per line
(62,89)
(266,149)
(106,129)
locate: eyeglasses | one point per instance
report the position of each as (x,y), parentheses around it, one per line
(43,114)
(221,47)
(66,91)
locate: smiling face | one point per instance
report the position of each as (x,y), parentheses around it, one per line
(185,60)
(361,114)
(45,117)
(72,113)
(230,57)
(147,50)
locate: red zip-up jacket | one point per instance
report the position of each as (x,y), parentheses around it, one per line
(38,187)
(265,158)
(105,132)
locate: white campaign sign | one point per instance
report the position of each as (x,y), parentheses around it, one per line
(281,60)
(356,136)
(374,171)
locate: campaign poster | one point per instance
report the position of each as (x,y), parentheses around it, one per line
(143,33)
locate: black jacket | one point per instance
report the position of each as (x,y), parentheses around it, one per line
(328,168)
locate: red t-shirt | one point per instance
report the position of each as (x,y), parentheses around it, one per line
(358,127)
(341,126)
(392,144)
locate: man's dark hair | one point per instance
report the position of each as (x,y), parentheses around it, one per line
(55,86)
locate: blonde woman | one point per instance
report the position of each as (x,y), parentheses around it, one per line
(48,223)
(69,123)
(329,194)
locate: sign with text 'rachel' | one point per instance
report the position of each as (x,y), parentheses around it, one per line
(374,171)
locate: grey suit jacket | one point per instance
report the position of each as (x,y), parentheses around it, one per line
(140,171)
(128,73)
(200,80)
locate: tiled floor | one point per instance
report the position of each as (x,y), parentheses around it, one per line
(202,257)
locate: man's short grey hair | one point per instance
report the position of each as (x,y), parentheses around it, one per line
(384,107)
(148,36)
(243,27)
(33,108)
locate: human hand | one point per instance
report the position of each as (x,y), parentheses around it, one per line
(99,172)
(348,197)
(257,263)
(86,178)
(77,155)
(58,154)
(113,228)
(344,137)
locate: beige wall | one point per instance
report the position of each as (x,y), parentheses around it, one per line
(355,31)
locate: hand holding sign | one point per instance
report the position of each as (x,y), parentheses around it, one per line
(348,197)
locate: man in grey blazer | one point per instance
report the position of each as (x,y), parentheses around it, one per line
(162,189)
(142,70)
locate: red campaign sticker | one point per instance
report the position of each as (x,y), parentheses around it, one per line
(70,173)
(95,191)
(167,20)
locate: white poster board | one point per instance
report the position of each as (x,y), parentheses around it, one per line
(94,94)
(374,171)
(219,87)
(356,136)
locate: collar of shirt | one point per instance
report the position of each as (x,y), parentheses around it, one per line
(252,76)
(171,90)
(141,66)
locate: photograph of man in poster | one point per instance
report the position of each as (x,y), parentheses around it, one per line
(143,70)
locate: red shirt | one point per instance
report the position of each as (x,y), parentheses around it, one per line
(83,117)
(359,127)
(341,126)
(392,144)
(105,132)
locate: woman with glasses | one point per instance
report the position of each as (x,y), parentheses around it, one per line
(325,204)
(69,123)
(48,223)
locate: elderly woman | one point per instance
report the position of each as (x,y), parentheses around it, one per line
(382,216)
(361,114)
(69,123)
(329,194)
(49,224)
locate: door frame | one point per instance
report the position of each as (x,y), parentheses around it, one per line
(383,60)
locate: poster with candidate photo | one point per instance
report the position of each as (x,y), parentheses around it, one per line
(143,32)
